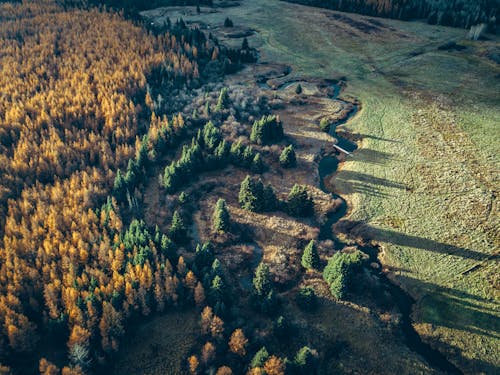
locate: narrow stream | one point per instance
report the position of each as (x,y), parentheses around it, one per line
(328,165)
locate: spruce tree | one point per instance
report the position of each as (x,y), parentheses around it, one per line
(270,202)
(221,217)
(257,164)
(119,186)
(266,130)
(310,258)
(299,203)
(178,230)
(247,198)
(298,89)
(244,45)
(228,22)
(223,101)
(262,280)
(288,158)
(259,358)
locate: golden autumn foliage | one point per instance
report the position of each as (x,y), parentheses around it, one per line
(193,364)
(238,342)
(73,109)
(274,366)
(224,370)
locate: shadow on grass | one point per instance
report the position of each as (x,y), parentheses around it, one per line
(366,155)
(456,309)
(360,230)
(351,176)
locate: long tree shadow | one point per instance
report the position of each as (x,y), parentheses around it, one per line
(372,156)
(442,306)
(350,176)
(360,230)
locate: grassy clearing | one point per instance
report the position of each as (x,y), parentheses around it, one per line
(425,181)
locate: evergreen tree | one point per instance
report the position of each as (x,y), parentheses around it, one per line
(204,256)
(178,231)
(310,257)
(211,136)
(270,202)
(119,186)
(262,280)
(244,45)
(299,203)
(223,101)
(228,22)
(217,289)
(304,359)
(182,197)
(338,271)
(221,217)
(257,164)
(249,196)
(266,130)
(259,358)
(298,89)
(288,158)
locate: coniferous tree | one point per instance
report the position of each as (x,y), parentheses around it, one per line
(262,280)
(244,45)
(288,158)
(259,358)
(270,202)
(223,101)
(221,217)
(299,203)
(257,164)
(266,130)
(248,196)
(178,231)
(304,360)
(310,257)
(228,22)
(338,271)
(119,186)
(298,89)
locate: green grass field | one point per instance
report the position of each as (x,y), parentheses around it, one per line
(424,183)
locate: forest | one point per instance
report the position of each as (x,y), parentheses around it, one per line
(456,13)
(143,177)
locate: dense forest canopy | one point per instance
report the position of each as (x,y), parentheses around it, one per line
(458,13)
(75,107)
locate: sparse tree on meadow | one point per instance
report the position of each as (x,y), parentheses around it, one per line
(310,257)
(221,217)
(288,159)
